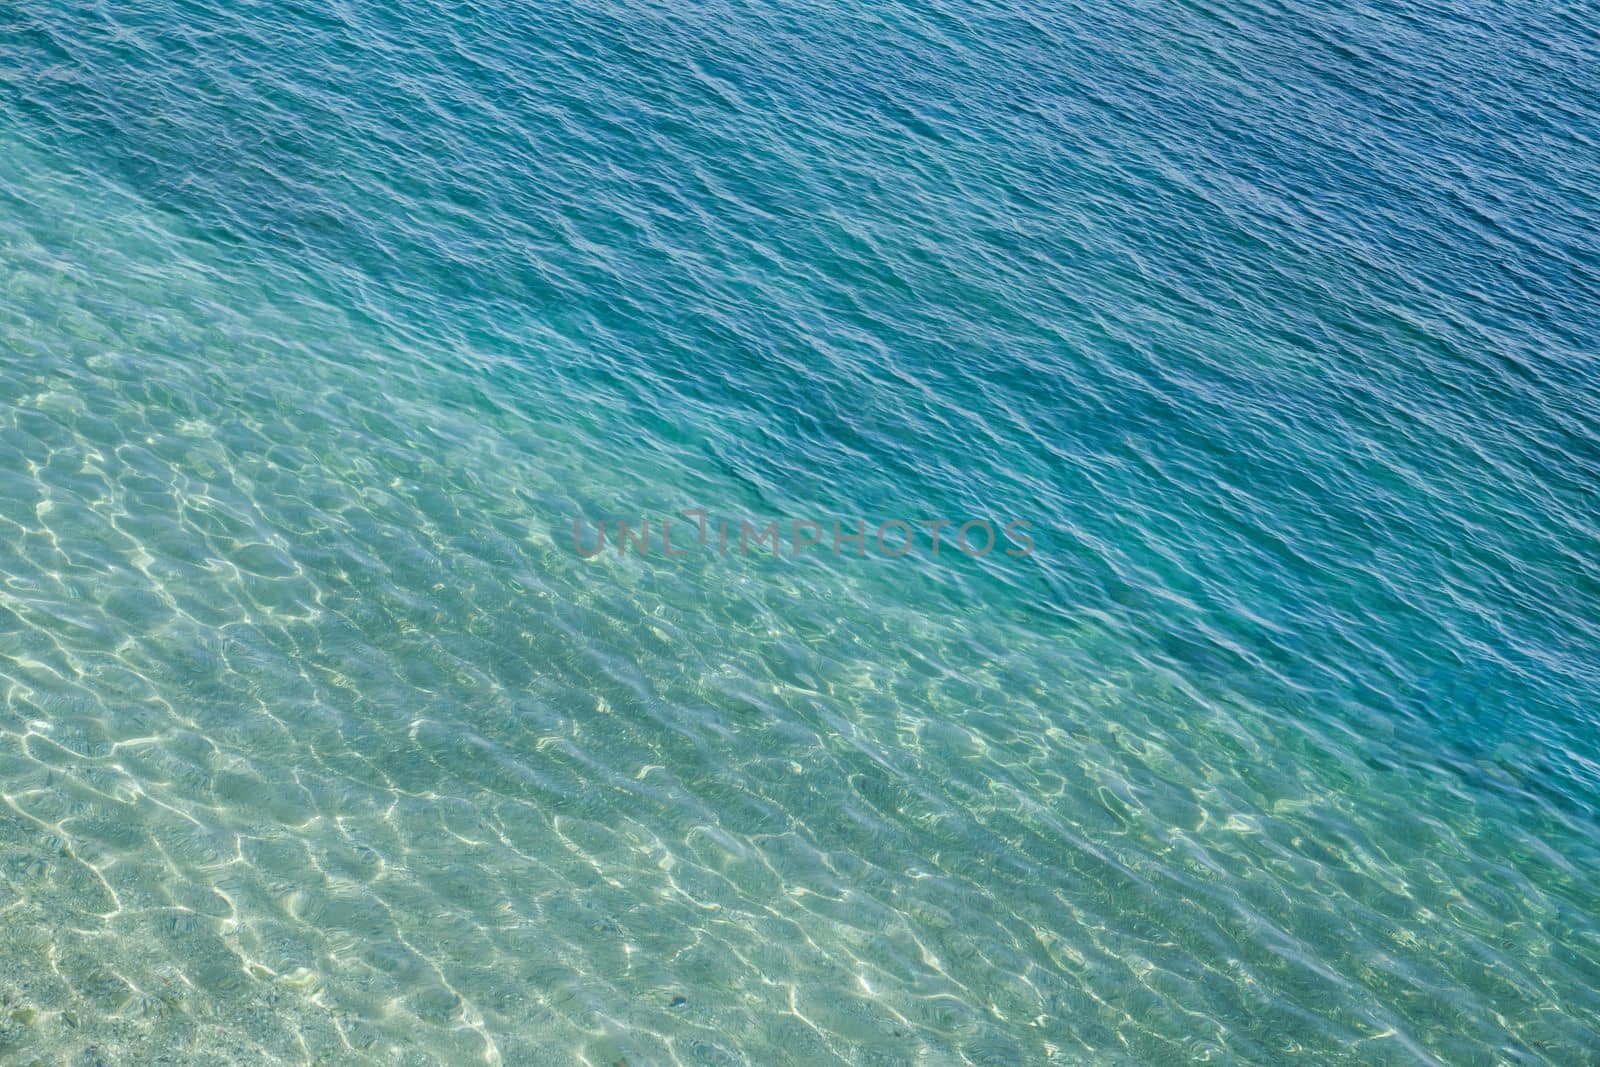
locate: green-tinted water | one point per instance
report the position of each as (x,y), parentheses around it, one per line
(320,741)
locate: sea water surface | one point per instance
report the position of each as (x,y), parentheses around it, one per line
(323,321)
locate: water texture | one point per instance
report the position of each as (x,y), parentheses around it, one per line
(322,322)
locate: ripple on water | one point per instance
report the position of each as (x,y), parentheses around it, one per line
(319,745)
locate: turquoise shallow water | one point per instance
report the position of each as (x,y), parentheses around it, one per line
(321,324)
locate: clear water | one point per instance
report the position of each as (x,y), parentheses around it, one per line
(320,324)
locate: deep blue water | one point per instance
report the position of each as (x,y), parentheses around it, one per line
(323,323)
